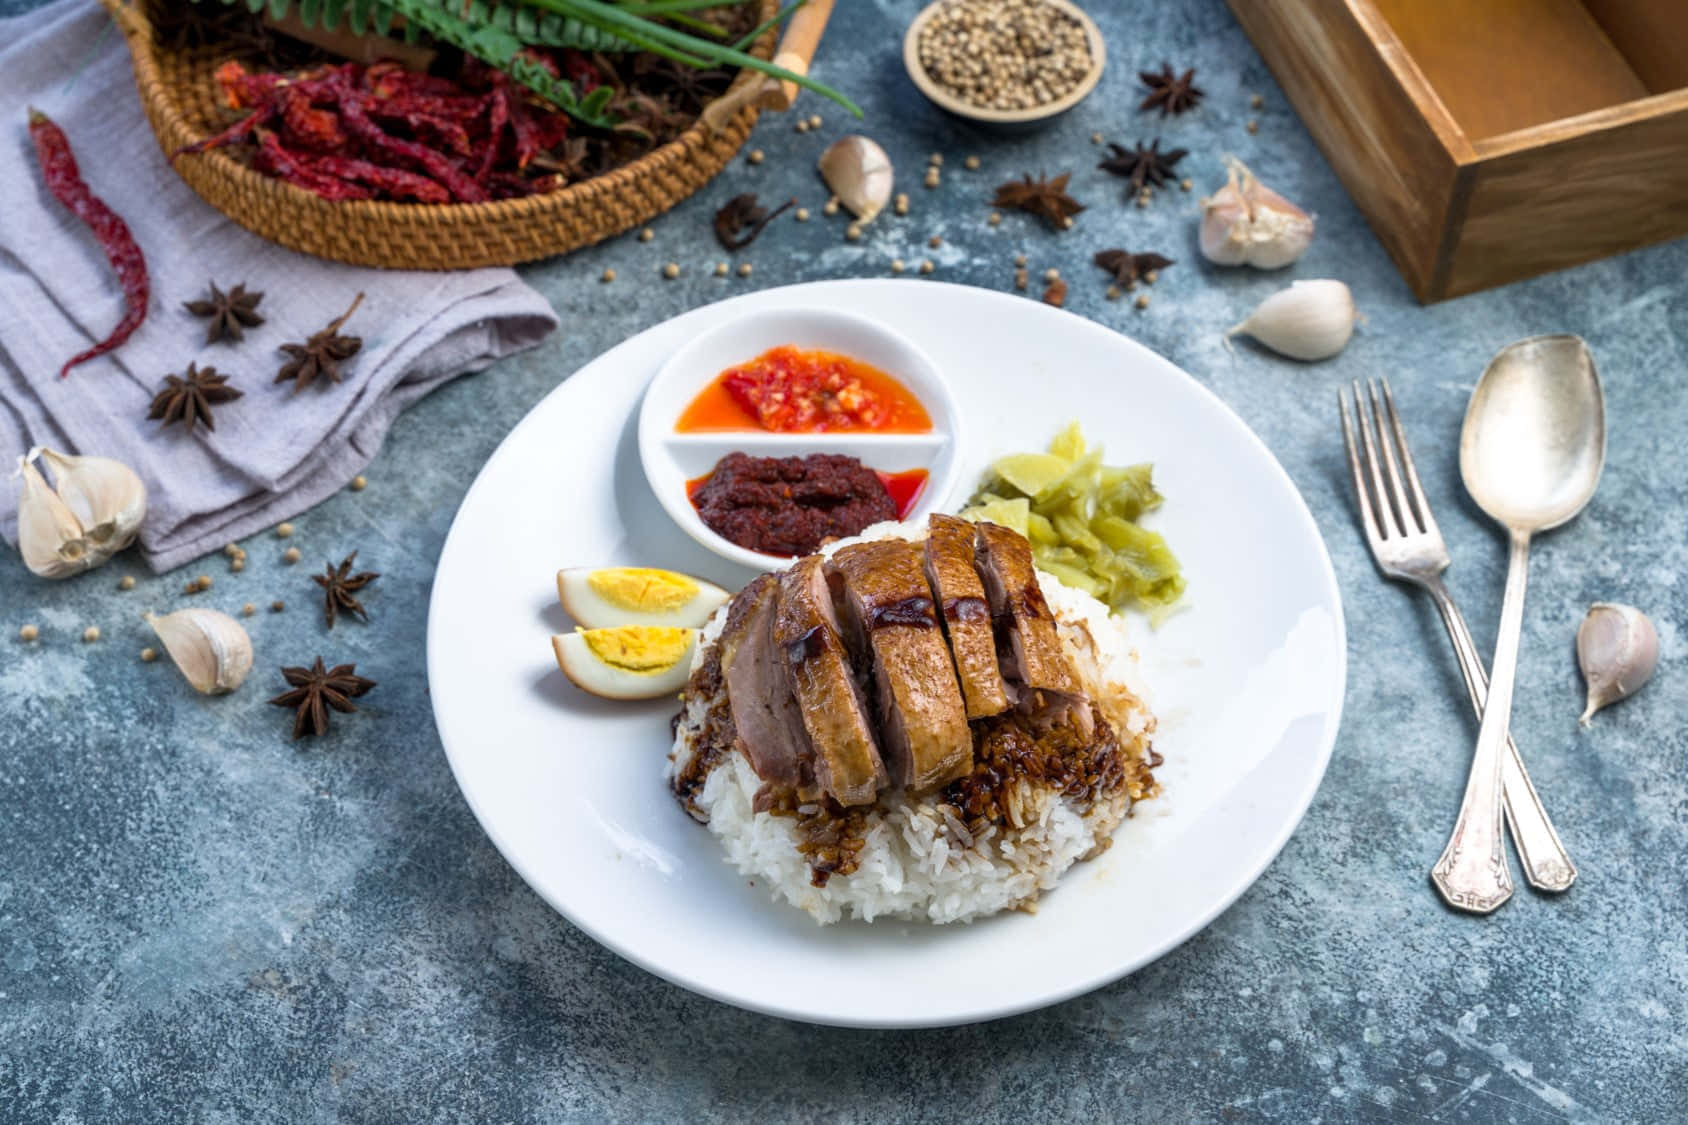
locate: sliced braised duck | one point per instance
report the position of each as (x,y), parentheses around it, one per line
(965,614)
(1028,646)
(889,616)
(829,701)
(769,727)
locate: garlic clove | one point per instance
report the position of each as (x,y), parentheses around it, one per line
(1618,650)
(212,649)
(1247,223)
(859,174)
(1311,320)
(50,537)
(107,496)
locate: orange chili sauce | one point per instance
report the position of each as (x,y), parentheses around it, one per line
(715,409)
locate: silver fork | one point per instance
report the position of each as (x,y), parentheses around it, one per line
(1407,545)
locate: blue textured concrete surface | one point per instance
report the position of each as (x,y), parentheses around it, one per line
(201,921)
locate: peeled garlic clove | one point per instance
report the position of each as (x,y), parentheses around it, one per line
(210,648)
(1310,320)
(106,495)
(859,174)
(1247,223)
(50,536)
(1618,650)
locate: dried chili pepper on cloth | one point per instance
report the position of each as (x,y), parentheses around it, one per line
(64,180)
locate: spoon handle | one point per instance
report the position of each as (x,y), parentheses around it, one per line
(1546,864)
(1472,874)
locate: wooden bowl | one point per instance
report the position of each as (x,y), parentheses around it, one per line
(1005,120)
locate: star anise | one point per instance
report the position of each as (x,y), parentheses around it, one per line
(231,313)
(188,398)
(1170,92)
(739,222)
(1127,267)
(1047,198)
(339,586)
(1142,166)
(315,689)
(322,354)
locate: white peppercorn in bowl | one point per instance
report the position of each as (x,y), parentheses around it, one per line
(953,53)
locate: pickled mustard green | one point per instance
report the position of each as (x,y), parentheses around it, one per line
(1081,518)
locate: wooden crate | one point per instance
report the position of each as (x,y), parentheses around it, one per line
(1492,140)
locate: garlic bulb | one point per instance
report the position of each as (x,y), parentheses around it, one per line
(49,534)
(105,495)
(859,174)
(94,512)
(1618,649)
(212,649)
(1310,320)
(1246,223)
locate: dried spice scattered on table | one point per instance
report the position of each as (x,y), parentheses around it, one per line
(315,689)
(339,589)
(231,313)
(1170,92)
(739,222)
(322,354)
(1143,166)
(1127,267)
(1046,198)
(64,180)
(188,398)
(1055,293)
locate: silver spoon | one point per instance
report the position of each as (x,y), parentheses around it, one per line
(1530,454)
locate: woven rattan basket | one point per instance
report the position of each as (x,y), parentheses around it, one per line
(179,94)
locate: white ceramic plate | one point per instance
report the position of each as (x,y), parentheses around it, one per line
(672,459)
(1248,682)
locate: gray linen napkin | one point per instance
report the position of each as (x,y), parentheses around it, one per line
(273,453)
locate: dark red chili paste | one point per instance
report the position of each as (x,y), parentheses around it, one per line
(790,505)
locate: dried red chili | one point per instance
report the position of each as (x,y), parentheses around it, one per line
(389,181)
(275,159)
(64,180)
(431,161)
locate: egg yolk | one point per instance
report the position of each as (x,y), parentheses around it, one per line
(638,648)
(644,588)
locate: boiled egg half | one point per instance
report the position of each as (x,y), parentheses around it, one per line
(627,661)
(603,597)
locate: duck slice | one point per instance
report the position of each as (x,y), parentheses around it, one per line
(1028,646)
(830,703)
(769,728)
(892,625)
(965,614)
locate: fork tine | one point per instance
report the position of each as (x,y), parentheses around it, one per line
(1386,441)
(1386,521)
(1367,518)
(1420,502)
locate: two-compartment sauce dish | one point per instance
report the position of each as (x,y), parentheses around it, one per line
(777,432)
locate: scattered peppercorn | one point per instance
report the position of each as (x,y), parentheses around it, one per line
(853,232)
(290,556)
(1021,279)
(28,633)
(283,530)
(1142,301)
(897,265)
(90,634)
(936,160)
(994,218)
(1256,101)
(972,163)
(148,655)
(932,179)
(744,269)
(277,606)
(1051,274)
(1019,259)
(926,265)
(1253,126)
(1115,293)
(831,206)
(127,582)
(671,270)
(900,205)
(248,610)
(359,483)
(757,156)
(1095,138)
(934,242)
(647,234)
(1185,184)
(607,276)
(722,269)
(815,121)
(237,565)
(802,215)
